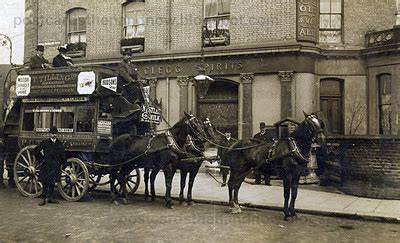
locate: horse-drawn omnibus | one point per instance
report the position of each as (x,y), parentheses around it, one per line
(88,107)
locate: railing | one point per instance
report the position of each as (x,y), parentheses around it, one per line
(132,44)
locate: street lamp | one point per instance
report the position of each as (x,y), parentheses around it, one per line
(202,81)
(3,42)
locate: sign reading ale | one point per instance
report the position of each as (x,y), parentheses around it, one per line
(307,20)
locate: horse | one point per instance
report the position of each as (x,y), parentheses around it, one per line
(129,151)
(287,156)
(190,159)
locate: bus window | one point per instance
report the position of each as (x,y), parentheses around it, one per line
(85,118)
(65,118)
(28,121)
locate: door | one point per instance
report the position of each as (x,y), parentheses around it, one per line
(220,104)
(332,105)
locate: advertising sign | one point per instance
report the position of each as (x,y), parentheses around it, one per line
(150,114)
(23,85)
(110,83)
(86,82)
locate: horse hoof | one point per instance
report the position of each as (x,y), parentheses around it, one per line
(288,218)
(124,201)
(153,199)
(183,203)
(190,203)
(115,202)
(294,217)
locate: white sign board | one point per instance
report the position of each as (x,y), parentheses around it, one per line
(86,82)
(146,93)
(23,85)
(110,83)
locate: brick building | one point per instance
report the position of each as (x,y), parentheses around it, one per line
(270,58)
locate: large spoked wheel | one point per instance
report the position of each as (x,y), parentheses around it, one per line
(26,173)
(74,180)
(132,182)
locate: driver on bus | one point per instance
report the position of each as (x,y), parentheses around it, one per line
(129,80)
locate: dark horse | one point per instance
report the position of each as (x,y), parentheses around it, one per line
(190,159)
(131,151)
(287,156)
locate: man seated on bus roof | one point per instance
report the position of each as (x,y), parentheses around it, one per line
(38,61)
(62,60)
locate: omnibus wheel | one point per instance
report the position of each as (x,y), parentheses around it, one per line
(26,173)
(74,181)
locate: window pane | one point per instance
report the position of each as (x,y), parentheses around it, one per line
(336,6)
(211,8)
(336,22)
(140,20)
(223,24)
(85,119)
(73,24)
(129,31)
(325,6)
(73,38)
(224,7)
(330,87)
(385,84)
(82,37)
(324,21)
(82,24)
(28,122)
(140,30)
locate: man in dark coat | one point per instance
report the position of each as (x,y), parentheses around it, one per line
(128,80)
(225,143)
(51,154)
(264,135)
(61,60)
(38,61)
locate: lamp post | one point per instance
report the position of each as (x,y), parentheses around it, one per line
(202,81)
(3,42)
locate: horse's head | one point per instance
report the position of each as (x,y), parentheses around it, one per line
(194,127)
(208,128)
(315,127)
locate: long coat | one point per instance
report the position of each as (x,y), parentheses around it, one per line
(37,62)
(52,158)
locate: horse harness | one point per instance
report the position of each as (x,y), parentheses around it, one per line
(173,145)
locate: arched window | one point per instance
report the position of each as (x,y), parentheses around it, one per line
(331,100)
(134,26)
(76,32)
(330,21)
(76,25)
(385,103)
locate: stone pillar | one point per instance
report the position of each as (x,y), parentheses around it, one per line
(286,78)
(246,105)
(183,82)
(153,87)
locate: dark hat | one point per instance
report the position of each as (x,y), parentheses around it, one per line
(63,48)
(39,48)
(262,125)
(53,129)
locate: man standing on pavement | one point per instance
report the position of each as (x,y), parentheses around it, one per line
(226,142)
(51,154)
(265,136)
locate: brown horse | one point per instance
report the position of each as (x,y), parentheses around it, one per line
(190,159)
(287,156)
(131,151)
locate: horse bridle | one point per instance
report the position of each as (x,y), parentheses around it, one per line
(312,128)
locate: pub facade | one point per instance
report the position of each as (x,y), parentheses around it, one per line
(269,59)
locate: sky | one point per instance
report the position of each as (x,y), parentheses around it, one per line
(11,24)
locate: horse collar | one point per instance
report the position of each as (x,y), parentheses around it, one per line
(294,149)
(172,143)
(191,145)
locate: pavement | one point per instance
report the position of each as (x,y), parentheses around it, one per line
(311,199)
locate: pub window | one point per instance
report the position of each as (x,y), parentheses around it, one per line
(76,32)
(134,26)
(330,24)
(385,109)
(216,18)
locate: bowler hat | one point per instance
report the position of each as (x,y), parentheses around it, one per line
(53,129)
(39,48)
(262,125)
